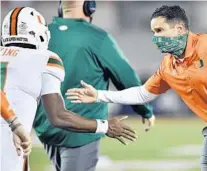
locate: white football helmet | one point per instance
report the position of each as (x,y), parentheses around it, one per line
(27,26)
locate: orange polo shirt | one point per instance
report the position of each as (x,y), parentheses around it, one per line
(187,77)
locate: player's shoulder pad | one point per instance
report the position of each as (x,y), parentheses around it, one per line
(55,66)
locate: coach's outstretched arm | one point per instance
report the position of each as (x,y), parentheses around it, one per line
(130,96)
(153,87)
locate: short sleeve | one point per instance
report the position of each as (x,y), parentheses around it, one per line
(50,84)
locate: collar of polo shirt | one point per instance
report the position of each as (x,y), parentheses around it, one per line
(188,50)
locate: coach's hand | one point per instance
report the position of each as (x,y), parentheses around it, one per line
(150,122)
(87,94)
(21,139)
(117,129)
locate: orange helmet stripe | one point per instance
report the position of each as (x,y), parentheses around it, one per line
(39,19)
(13,20)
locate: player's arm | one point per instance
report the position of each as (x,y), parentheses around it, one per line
(62,118)
(21,139)
(54,104)
(6,112)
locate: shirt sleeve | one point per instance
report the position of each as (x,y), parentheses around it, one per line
(155,84)
(50,84)
(53,75)
(130,96)
(55,67)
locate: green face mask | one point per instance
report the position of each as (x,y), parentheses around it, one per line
(174,46)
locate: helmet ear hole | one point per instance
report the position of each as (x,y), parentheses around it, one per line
(42,39)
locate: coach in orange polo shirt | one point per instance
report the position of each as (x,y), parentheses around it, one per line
(184,69)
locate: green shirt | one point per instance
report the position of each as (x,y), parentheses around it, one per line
(90,54)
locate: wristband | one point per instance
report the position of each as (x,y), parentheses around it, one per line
(13,127)
(102,126)
(12,121)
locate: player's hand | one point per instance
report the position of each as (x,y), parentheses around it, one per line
(87,94)
(21,140)
(117,129)
(150,122)
(19,145)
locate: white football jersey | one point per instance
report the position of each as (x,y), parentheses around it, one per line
(24,74)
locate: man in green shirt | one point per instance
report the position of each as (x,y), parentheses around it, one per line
(91,54)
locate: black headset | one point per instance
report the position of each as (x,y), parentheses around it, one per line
(89,7)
